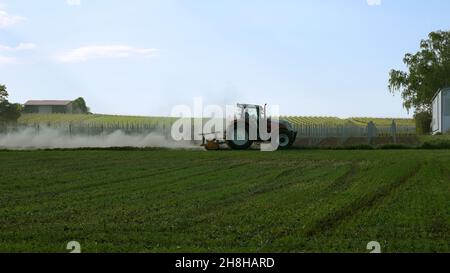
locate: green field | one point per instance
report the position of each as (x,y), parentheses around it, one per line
(31,119)
(183,201)
(57,119)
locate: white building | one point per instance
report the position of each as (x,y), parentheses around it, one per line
(441,112)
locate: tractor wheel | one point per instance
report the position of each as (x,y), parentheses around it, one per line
(285,141)
(237,144)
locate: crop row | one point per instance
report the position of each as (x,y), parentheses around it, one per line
(109,120)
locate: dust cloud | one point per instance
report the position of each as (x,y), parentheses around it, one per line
(48,138)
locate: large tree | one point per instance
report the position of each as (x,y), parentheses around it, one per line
(428,71)
(79,106)
(9,112)
(3,93)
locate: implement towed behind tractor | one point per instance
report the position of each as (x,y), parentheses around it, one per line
(250,114)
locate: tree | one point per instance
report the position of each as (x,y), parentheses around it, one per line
(9,112)
(3,93)
(428,71)
(79,106)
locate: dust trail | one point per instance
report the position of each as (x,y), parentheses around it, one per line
(48,138)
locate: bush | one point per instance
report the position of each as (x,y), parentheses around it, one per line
(394,147)
(436,145)
(359,147)
(423,122)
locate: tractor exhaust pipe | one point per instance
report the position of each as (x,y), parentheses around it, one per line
(265,111)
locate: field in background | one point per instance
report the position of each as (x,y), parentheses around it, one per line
(310,129)
(362,122)
(106,120)
(31,119)
(183,201)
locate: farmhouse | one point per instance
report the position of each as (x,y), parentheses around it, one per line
(441,112)
(48,106)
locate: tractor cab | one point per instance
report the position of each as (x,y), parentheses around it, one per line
(250,111)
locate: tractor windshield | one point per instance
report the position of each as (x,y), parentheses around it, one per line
(251,113)
(247,113)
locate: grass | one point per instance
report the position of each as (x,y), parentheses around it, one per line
(431,138)
(194,201)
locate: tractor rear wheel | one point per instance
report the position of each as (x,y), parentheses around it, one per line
(285,141)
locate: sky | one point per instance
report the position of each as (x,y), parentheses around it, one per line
(143,57)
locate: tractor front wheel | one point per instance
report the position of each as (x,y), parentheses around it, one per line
(240,141)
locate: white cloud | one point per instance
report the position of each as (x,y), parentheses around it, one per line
(374,2)
(26,46)
(73,2)
(10,58)
(4,60)
(88,53)
(20,47)
(7,20)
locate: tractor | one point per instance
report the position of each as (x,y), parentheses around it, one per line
(252,114)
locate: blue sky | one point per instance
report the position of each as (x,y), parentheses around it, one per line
(142,57)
